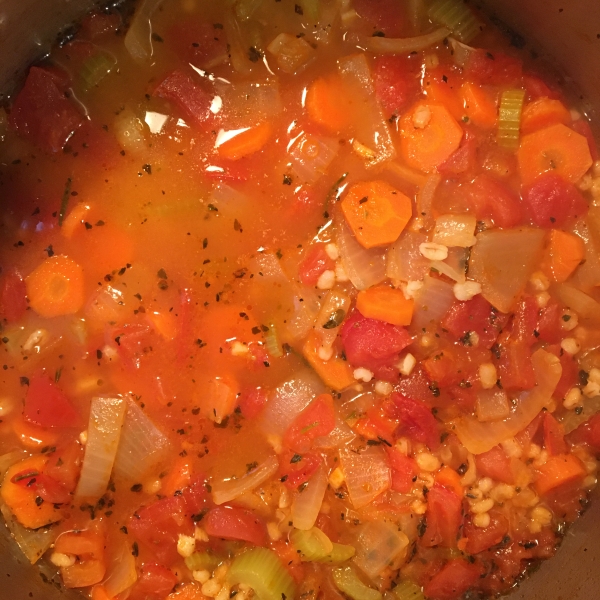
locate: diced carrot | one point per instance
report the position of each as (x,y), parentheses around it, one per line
(449,478)
(22,502)
(325,103)
(480,107)
(556,471)
(164,322)
(563,254)
(187,591)
(32,436)
(83,574)
(76,218)
(429,134)
(56,287)
(447,94)
(335,372)
(376,212)
(86,543)
(385,304)
(99,593)
(247,142)
(178,477)
(543,112)
(556,148)
(219,398)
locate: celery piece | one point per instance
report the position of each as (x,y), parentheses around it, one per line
(311,9)
(347,581)
(272,342)
(509,118)
(406,590)
(263,571)
(201,561)
(456,16)
(340,553)
(311,544)
(95,69)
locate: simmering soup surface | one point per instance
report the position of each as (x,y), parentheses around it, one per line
(298,301)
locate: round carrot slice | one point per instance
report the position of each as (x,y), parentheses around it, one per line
(326,103)
(56,287)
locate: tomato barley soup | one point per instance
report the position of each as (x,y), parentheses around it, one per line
(298,300)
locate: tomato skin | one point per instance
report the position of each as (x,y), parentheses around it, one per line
(133,341)
(537,88)
(296,471)
(462,160)
(491,199)
(235,524)
(46,404)
(395,83)
(314,264)
(587,433)
(515,369)
(569,375)
(13,296)
(404,469)
(554,435)
(482,539)
(525,321)
(443,517)
(493,69)
(455,578)
(316,420)
(417,422)
(44,486)
(155,582)
(552,201)
(42,114)
(549,325)
(252,402)
(582,127)
(495,464)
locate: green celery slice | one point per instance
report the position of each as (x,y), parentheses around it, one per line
(347,581)
(95,69)
(201,561)
(406,590)
(456,16)
(272,343)
(509,118)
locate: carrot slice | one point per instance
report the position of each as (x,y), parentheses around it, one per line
(325,103)
(449,478)
(335,372)
(543,112)
(99,593)
(556,148)
(428,136)
(376,212)
(448,95)
(22,501)
(56,287)
(247,142)
(187,591)
(385,304)
(563,254)
(481,109)
(556,471)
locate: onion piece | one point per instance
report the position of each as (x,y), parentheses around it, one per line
(32,542)
(455,230)
(104,430)
(307,503)
(311,155)
(138,39)
(383,45)
(122,571)
(492,405)
(367,474)
(378,543)
(445,269)
(364,268)
(503,260)
(479,437)
(461,53)
(225,491)
(425,197)
(585,306)
(339,436)
(142,445)
(9,459)
(404,259)
(432,303)
(333,311)
(587,275)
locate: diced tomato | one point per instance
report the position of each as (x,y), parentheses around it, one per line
(158,526)
(179,87)
(133,340)
(42,114)
(525,320)
(198,42)
(64,465)
(493,69)
(515,368)
(231,523)
(582,127)
(13,292)
(196,496)
(396,85)
(552,201)
(374,344)
(549,324)
(480,539)
(316,420)
(491,199)
(404,469)
(290,559)
(376,424)
(566,501)
(537,88)
(251,402)
(417,385)
(455,578)
(462,160)
(495,464)
(154,582)
(47,488)
(314,264)
(417,421)
(554,435)
(297,469)
(47,405)
(385,15)
(568,376)
(443,517)
(442,368)
(587,433)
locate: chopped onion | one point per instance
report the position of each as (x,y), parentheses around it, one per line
(455,230)
(9,459)
(492,405)
(307,503)
(587,274)
(104,430)
(333,311)
(227,199)
(347,581)
(32,542)
(225,491)
(461,53)
(364,268)
(138,39)
(585,306)
(378,543)
(432,303)
(404,259)
(426,195)
(383,45)
(121,571)
(445,269)
(339,436)
(142,445)
(311,155)
(246,104)
(503,260)
(289,399)
(367,474)
(306,307)
(480,437)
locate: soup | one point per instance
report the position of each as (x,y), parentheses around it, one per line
(298,301)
